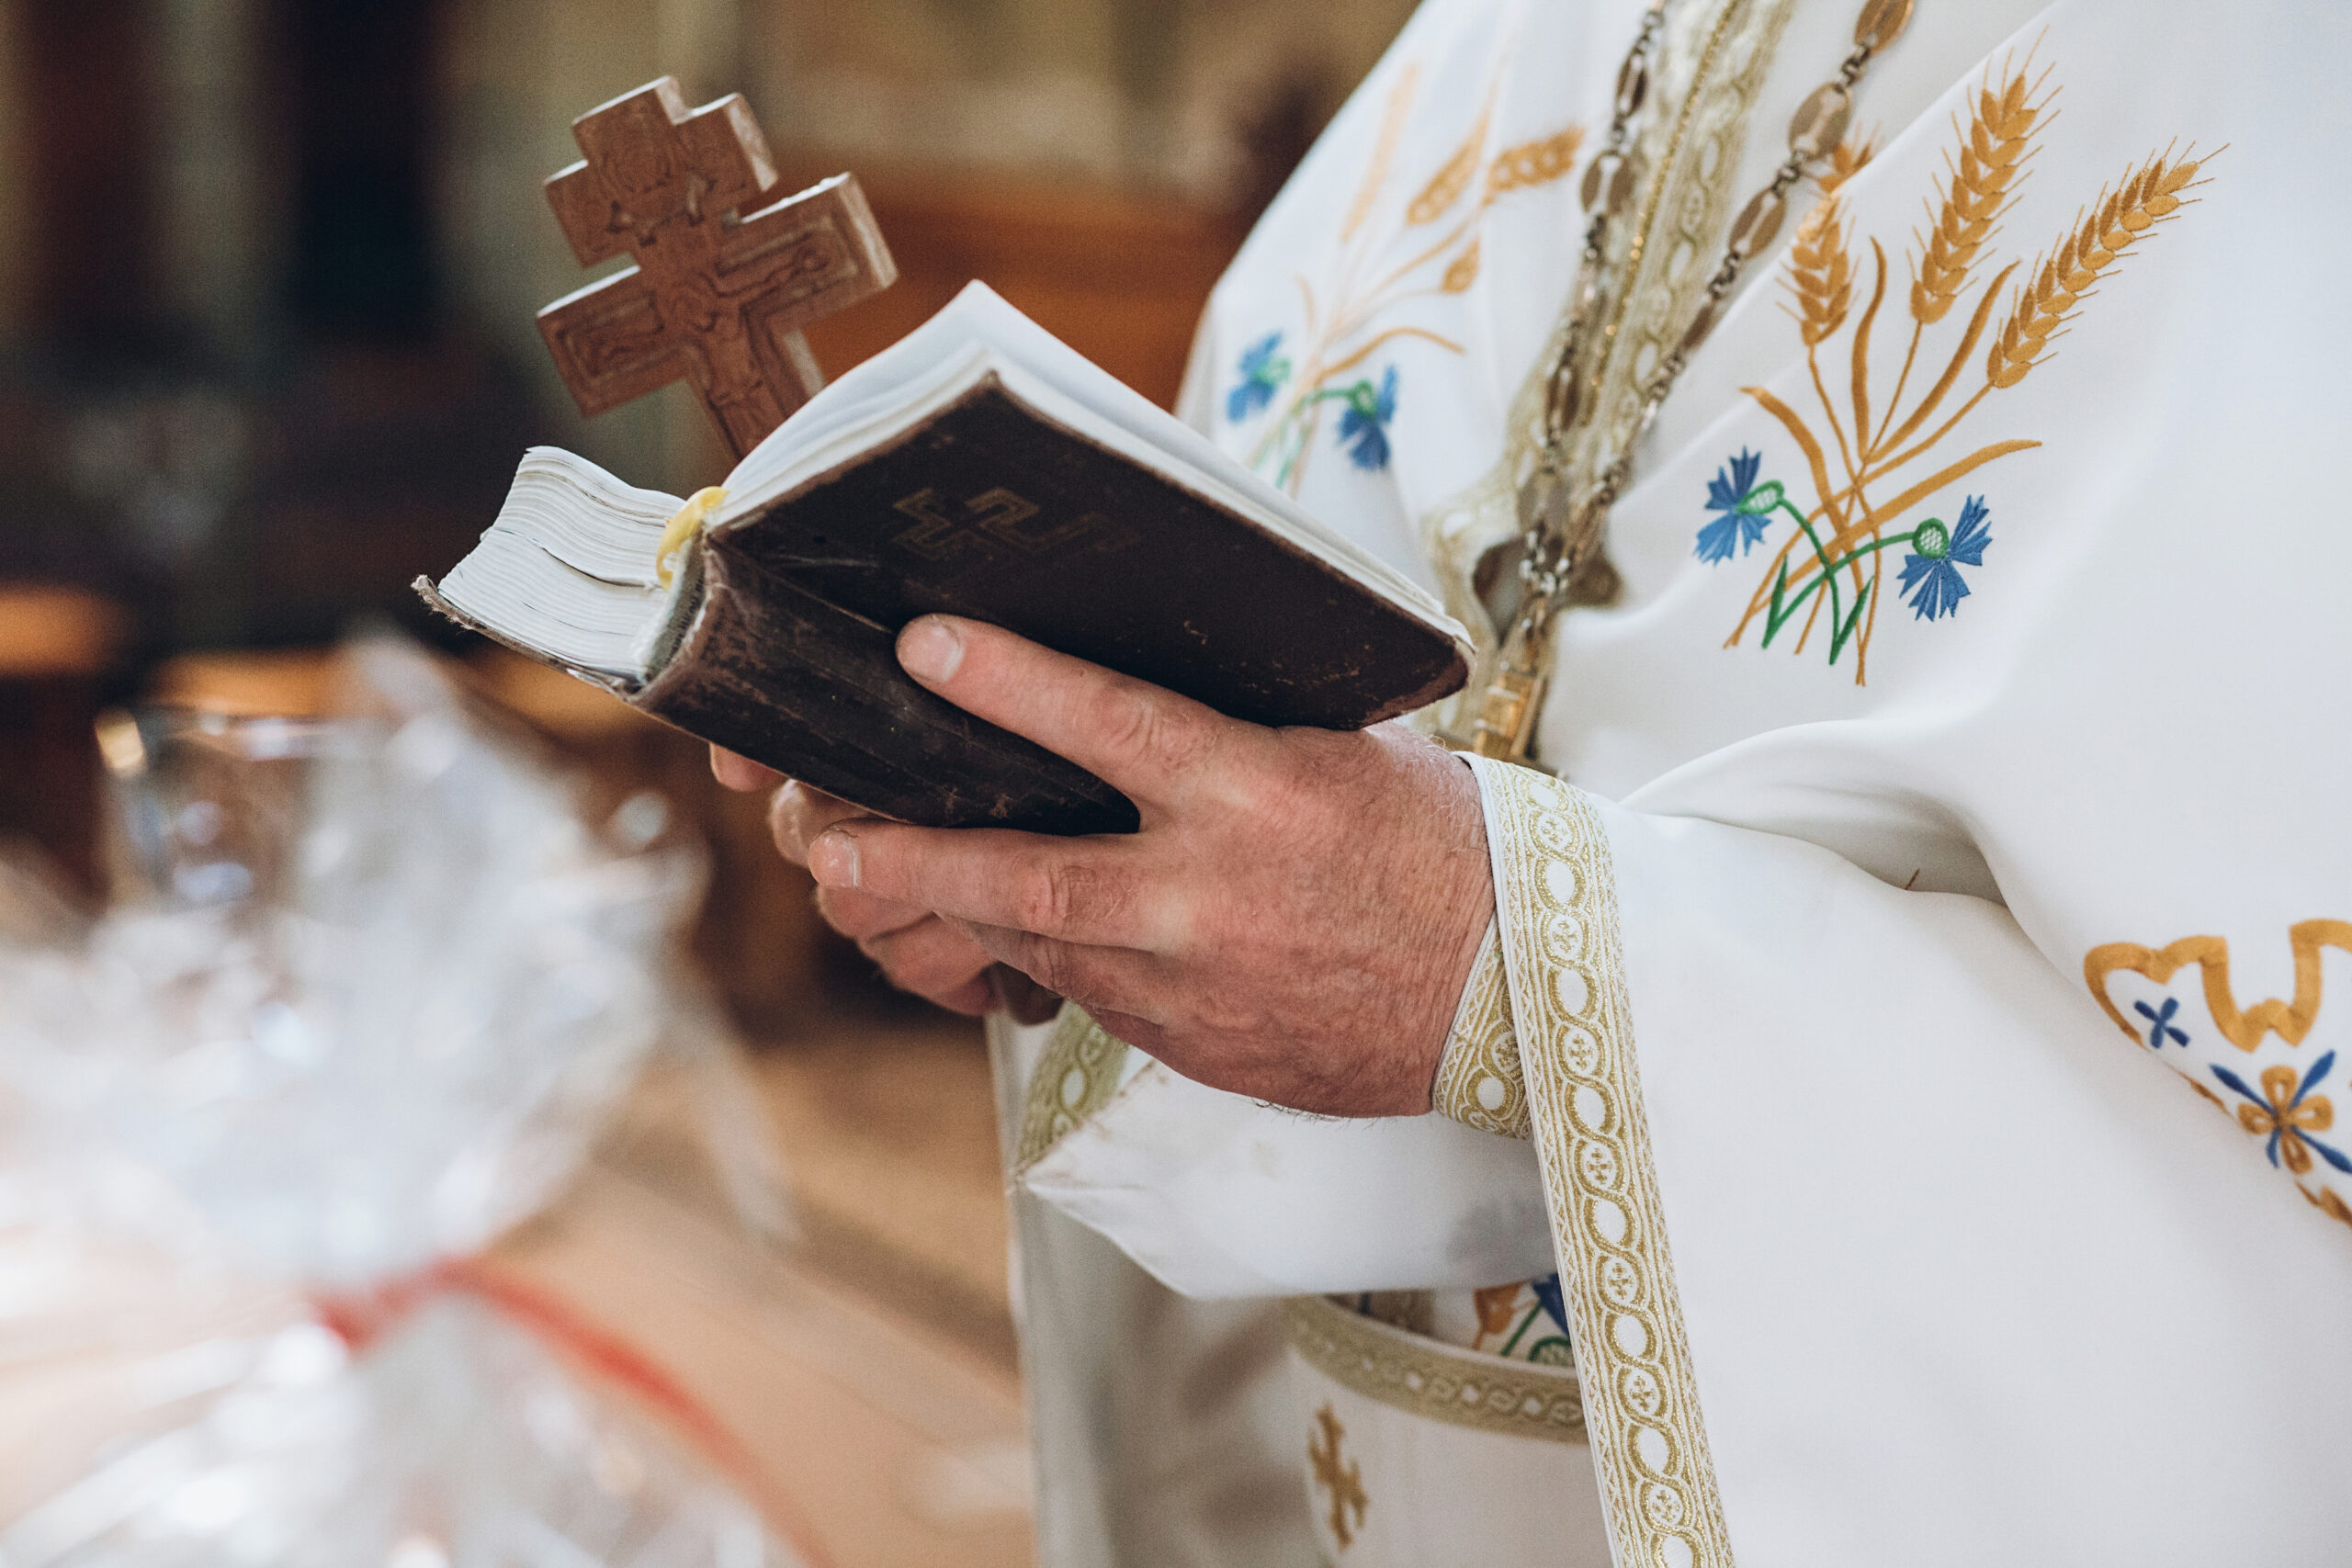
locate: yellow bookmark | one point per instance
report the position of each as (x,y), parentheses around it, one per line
(684,526)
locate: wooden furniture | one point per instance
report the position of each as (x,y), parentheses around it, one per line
(57,646)
(720,303)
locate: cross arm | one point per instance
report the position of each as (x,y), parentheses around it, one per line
(609,342)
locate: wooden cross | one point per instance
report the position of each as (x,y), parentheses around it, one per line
(1346,1485)
(714,300)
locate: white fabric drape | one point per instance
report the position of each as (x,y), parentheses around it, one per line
(1976,976)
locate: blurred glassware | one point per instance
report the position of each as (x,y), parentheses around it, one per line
(370,989)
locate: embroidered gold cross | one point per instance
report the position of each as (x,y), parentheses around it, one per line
(1345,1484)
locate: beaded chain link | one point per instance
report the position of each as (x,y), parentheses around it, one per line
(1561,516)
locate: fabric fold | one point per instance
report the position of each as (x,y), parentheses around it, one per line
(1843,1177)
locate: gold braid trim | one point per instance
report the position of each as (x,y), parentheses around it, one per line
(1076,1075)
(1479,1082)
(1433,1380)
(1556,896)
(1687,155)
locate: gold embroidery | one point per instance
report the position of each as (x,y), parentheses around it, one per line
(1496,1306)
(1345,1486)
(1819,274)
(1393,116)
(1697,154)
(1347,317)
(1433,1380)
(1553,879)
(2286,1112)
(1453,177)
(2289,1020)
(2326,1203)
(1533,163)
(1978,192)
(1463,271)
(1075,1076)
(2143,201)
(1478,1081)
(2288,1116)
(1988,164)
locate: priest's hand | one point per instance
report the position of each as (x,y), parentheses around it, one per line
(1294,921)
(917,950)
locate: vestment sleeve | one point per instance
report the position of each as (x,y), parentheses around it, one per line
(1843,1178)
(1219,1195)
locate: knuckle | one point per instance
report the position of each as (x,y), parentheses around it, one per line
(1040,897)
(1059,897)
(1142,732)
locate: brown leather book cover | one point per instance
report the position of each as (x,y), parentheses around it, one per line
(989,508)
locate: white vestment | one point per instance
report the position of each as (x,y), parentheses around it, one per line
(1910,990)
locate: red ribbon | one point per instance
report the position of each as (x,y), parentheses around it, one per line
(361,1319)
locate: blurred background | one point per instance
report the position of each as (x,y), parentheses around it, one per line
(268,270)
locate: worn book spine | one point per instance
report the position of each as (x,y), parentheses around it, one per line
(816,693)
(770,672)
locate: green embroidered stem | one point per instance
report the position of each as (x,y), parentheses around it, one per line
(1778,615)
(1842,623)
(1361,394)
(1513,1343)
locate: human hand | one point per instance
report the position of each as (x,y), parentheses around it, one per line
(916,951)
(1295,921)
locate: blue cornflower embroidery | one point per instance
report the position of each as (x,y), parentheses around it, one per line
(1746,507)
(2286,1112)
(1547,1291)
(1931,580)
(1262,373)
(2160,1024)
(1363,423)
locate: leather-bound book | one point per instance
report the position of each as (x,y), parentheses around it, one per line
(978,468)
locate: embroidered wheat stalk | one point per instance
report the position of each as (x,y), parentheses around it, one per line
(1976,192)
(1846,159)
(1392,131)
(1453,177)
(2115,221)
(1821,274)
(1533,163)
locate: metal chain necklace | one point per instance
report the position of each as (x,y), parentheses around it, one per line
(1560,514)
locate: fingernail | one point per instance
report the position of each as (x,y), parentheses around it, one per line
(931,650)
(832,859)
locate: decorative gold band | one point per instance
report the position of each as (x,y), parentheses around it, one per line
(1075,1076)
(1556,896)
(1435,1380)
(1479,1081)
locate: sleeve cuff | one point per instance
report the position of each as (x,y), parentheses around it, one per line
(1479,1081)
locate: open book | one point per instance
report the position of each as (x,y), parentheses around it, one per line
(980,468)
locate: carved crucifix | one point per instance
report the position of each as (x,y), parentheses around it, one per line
(713,298)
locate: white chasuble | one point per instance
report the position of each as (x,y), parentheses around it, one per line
(1906,1030)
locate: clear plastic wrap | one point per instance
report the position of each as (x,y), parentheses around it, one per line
(368,990)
